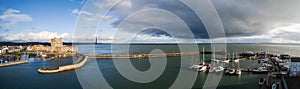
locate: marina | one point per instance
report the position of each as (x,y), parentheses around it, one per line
(149,44)
(266,65)
(245,65)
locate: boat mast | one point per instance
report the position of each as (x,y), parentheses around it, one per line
(214,52)
(203,54)
(229,56)
(233,56)
(232,59)
(214,56)
(194,59)
(236,55)
(226,55)
(238,64)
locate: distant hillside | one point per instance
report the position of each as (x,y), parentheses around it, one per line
(69,43)
(27,43)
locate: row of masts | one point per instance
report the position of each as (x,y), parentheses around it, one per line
(219,68)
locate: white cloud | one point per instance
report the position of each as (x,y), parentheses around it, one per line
(76,11)
(89,16)
(153,39)
(104,5)
(43,36)
(79,1)
(11,17)
(286,33)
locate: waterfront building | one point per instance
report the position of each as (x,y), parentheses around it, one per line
(4,49)
(29,48)
(295,66)
(14,49)
(56,47)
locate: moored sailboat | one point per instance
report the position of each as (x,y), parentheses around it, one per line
(201,66)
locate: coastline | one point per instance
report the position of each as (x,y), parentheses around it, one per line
(13,63)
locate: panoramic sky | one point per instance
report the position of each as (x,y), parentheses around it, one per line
(244,21)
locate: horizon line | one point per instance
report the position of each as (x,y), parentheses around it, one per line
(139,43)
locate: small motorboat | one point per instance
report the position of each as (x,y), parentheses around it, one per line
(267,64)
(225,61)
(202,69)
(261,81)
(219,69)
(238,72)
(196,66)
(232,71)
(236,60)
(260,70)
(215,60)
(212,69)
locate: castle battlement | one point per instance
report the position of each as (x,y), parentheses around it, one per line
(56,47)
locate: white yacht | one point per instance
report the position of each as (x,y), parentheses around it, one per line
(219,69)
(225,61)
(237,59)
(216,69)
(201,66)
(260,70)
(232,71)
(238,72)
(214,56)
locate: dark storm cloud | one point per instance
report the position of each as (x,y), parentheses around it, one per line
(154,32)
(175,7)
(241,18)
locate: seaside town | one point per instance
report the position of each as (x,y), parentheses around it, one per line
(149,44)
(282,71)
(56,49)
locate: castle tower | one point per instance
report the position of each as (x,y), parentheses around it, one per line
(56,42)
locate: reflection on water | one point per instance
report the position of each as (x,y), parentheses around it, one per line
(26,75)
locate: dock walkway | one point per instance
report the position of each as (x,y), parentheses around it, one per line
(14,63)
(79,63)
(120,56)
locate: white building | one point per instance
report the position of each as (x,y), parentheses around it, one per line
(4,49)
(295,66)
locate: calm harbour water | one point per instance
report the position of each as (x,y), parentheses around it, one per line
(26,75)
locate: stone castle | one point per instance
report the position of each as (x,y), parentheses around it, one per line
(56,47)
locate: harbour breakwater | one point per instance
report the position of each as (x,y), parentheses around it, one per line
(121,56)
(83,58)
(13,63)
(79,63)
